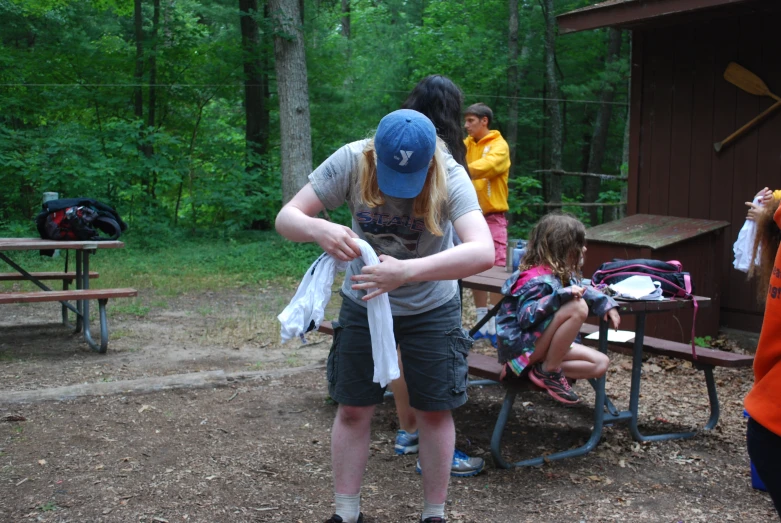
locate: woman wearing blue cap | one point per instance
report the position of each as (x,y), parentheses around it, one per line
(408,198)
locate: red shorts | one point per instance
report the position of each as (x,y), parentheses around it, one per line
(497,224)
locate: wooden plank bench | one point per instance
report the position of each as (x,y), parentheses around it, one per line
(706,361)
(76,294)
(673,349)
(82,296)
(64,276)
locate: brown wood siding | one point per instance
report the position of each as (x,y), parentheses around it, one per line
(681,105)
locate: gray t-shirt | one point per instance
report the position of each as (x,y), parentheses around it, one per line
(390,228)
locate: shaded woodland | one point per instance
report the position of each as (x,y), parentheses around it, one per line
(200,115)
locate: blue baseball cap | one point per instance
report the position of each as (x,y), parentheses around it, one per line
(404,144)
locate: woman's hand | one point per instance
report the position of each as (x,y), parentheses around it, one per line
(753,211)
(615,319)
(337,240)
(764,196)
(386,276)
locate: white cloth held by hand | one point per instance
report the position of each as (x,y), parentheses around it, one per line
(308,306)
(745,243)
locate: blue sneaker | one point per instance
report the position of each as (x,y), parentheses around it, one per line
(406,442)
(463,466)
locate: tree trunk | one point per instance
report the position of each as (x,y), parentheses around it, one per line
(138,24)
(601,125)
(149,149)
(554,106)
(346,18)
(293,92)
(256,112)
(625,155)
(513,83)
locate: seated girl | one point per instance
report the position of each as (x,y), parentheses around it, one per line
(538,326)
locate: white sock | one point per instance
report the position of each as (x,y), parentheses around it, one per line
(481,312)
(348,506)
(492,326)
(432,510)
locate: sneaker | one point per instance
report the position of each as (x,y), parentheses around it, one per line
(433,519)
(338,519)
(406,442)
(555,383)
(462,467)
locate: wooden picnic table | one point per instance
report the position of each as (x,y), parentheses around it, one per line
(604,410)
(82,294)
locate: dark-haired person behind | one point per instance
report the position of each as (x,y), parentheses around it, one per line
(440,99)
(762,402)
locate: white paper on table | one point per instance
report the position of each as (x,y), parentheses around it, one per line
(638,288)
(614,336)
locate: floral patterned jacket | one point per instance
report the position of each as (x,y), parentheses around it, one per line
(528,311)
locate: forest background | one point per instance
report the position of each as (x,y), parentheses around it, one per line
(178,112)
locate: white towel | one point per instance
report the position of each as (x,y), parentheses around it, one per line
(308,308)
(745,243)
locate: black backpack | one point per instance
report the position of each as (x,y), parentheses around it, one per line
(79,219)
(675,281)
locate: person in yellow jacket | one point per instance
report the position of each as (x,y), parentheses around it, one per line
(488,157)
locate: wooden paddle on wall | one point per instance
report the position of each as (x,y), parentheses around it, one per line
(741,77)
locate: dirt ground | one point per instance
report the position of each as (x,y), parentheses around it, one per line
(256,448)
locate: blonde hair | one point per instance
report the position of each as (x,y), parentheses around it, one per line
(428,204)
(766,242)
(556,242)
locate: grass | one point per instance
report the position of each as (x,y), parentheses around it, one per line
(205,311)
(185,264)
(133,307)
(120,333)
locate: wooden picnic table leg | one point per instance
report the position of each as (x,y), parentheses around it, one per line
(634,394)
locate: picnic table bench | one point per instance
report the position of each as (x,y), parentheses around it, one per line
(66,277)
(82,275)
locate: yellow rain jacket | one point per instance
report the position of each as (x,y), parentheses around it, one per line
(489,167)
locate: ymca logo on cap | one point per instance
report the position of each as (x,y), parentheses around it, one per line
(404,146)
(404,157)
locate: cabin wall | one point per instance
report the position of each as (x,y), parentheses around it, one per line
(681,105)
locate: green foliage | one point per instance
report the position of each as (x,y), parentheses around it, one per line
(524,201)
(67,81)
(701,341)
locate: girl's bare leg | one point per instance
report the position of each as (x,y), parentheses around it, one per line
(556,340)
(582,362)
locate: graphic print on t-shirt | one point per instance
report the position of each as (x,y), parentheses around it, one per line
(394,235)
